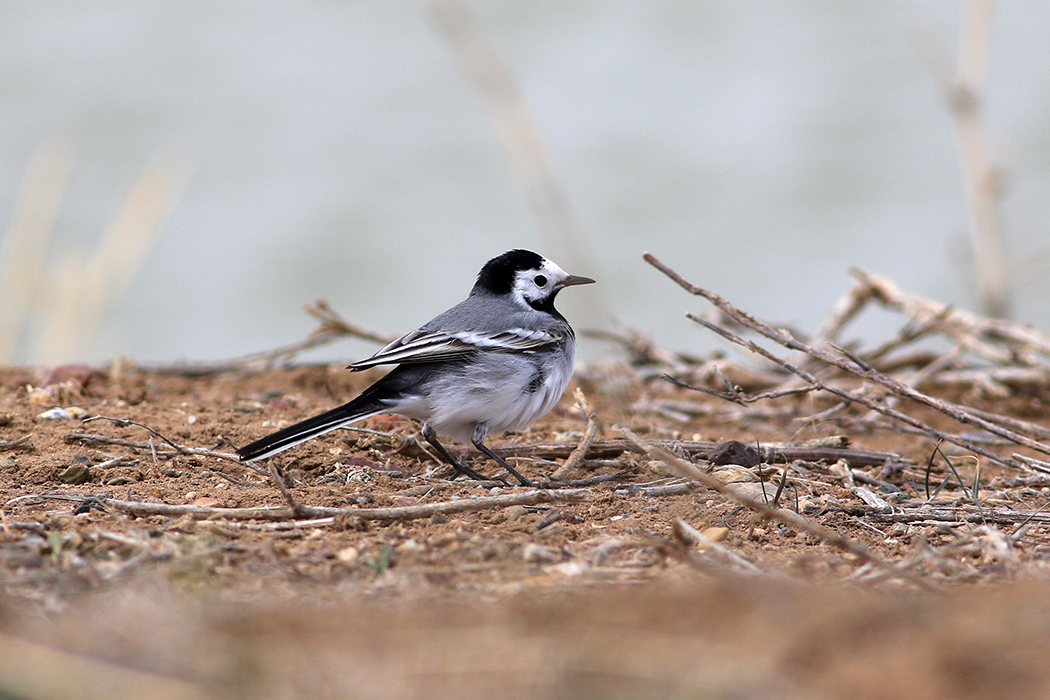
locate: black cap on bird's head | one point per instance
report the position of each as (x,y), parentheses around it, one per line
(498,274)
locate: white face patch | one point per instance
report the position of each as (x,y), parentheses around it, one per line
(539,283)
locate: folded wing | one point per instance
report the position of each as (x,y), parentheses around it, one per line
(442,346)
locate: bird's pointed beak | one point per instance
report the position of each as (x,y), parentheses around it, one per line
(573,280)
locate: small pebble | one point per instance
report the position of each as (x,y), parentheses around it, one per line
(185,524)
(448,539)
(77,474)
(218,528)
(716,534)
(538,554)
(734,474)
(39,396)
(512,513)
(56,413)
(349,556)
(763,493)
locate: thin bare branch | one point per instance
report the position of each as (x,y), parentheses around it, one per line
(464,505)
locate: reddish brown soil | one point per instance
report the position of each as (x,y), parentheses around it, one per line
(591,598)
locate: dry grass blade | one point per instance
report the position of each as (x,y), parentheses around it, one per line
(691,537)
(84,288)
(24,248)
(278,481)
(122,422)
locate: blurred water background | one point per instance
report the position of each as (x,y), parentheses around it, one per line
(335,149)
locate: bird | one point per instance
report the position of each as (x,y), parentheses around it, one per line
(493,363)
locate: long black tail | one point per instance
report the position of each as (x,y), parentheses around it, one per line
(361,407)
(382,397)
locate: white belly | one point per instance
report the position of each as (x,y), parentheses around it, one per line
(505,392)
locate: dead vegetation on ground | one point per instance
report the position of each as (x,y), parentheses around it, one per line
(827,520)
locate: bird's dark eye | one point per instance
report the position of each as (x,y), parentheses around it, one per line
(540,280)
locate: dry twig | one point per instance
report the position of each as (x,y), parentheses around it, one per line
(771,453)
(789,518)
(98,439)
(21,443)
(465,505)
(585,443)
(978,334)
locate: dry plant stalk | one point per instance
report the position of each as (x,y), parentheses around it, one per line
(73,297)
(333,327)
(522,140)
(512,119)
(964,87)
(21,443)
(83,287)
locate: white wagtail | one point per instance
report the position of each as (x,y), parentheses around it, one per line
(495,362)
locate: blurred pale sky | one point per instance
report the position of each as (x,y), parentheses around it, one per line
(334,149)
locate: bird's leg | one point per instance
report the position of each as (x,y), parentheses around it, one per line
(478,439)
(430,436)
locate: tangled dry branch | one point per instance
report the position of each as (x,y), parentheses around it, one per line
(1023,343)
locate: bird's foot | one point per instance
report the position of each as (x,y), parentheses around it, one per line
(464,470)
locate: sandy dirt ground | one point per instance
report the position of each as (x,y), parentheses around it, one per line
(641,585)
